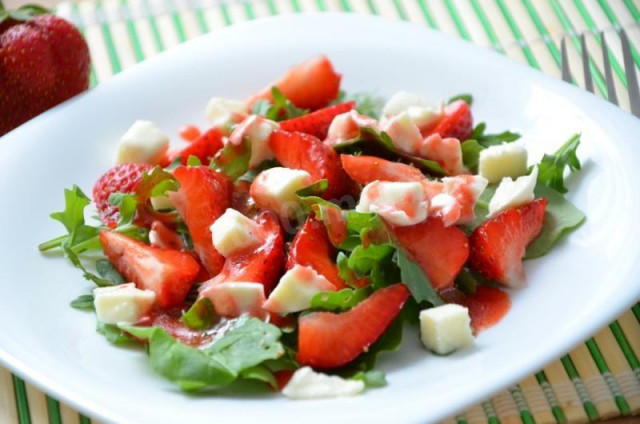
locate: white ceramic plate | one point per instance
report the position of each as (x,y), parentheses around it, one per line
(581,286)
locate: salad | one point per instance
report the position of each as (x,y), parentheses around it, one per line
(289,244)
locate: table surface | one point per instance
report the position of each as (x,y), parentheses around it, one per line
(53,3)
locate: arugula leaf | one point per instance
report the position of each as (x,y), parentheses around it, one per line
(466,282)
(551,167)
(108,272)
(416,280)
(339,300)
(279,109)
(486,140)
(362,259)
(193,160)
(260,373)
(561,217)
(193,369)
(201,315)
(233,160)
(75,261)
(165,186)
(83,302)
(127,205)
(371,378)
(73,215)
(250,342)
(368,104)
(113,334)
(468,98)
(315,189)
(471,154)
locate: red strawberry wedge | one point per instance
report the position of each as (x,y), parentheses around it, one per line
(366,169)
(203,196)
(312,84)
(311,247)
(119,179)
(303,151)
(440,251)
(317,123)
(169,273)
(258,264)
(329,340)
(203,147)
(499,244)
(457,122)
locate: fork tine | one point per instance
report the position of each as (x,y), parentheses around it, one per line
(630,71)
(566,71)
(588,78)
(608,72)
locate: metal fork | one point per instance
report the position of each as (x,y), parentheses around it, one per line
(629,67)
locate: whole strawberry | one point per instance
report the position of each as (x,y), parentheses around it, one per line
(43,61)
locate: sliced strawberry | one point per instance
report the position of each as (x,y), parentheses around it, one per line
(282,378)
(457,122)
(257,264)
(119,179)
(203,196)
(311,247)
(366,169)
(169,273)
(499,243)
(317,123)
(329,340)
(164,237)
(304,151)
(203,147)
(313,84)
(487,306)
(190,133)
(440,251)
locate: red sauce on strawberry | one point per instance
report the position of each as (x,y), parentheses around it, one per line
(169,320)
(487,306)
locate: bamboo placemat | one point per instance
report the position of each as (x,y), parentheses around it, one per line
(598,380)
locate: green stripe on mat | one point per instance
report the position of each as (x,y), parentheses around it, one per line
(155,33)
(461,420)
(522,405)
(614,21)
(402,14)
(633,10)
(427,14)
(486,25)
(272,7)
(177,22)
(457,20)
(22,402)
(225,14)
(566,23)
(132,31)
(594,28)
(321,6)
(515,30)
(372,7)
(552,399)
(53,410)
(200,19)
(490,412)
(624,345)
(108,39)
(636,311)
(93,80)
(583,394)
(296,6)
(84,420)
(248,10)
(344,4)
(601,363)
(542,30)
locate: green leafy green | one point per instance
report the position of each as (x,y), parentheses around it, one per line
(561,217)
(486,140)
(389,342)
(316,189)
(471,154)
(260,373)
(233,160)
(371,379)
(551,167)
(362,259)
(279,109)
(113,334)
(201,315)
(108,272)
(83,302)
(468,98)
(193,160)
(341,300)
(466,282)
(127,205)
(368,104)
(416,280)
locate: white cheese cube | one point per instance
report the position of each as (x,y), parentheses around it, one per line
(403,132)
(511,194)
(275,189)
(295,290)
(122,304)
(446,328)
(346,126)
(161,202)
(398,203)
(257,130)
(223,112)
(308,384)
(232,299)
(400,102)
(504,160)
(232,232)
(142,143)
(425,116)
